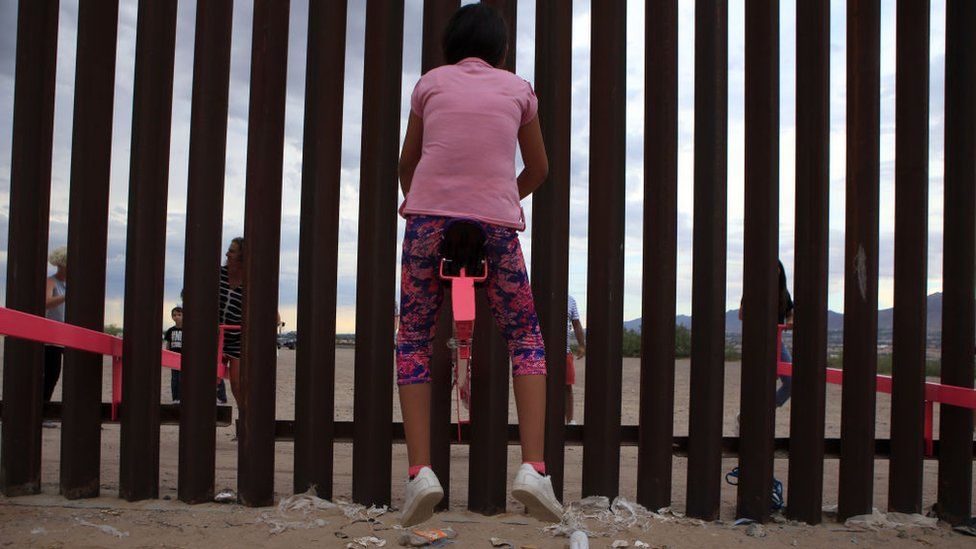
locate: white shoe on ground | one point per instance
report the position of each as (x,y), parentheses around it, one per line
(534,491)
(422,494)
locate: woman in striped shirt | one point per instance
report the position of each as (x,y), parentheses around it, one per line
(231,312)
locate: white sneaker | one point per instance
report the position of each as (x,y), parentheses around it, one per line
(422,494)
(534,491)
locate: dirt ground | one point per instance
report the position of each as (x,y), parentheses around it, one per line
(47,520)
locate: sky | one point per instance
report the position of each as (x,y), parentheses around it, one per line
(233,214)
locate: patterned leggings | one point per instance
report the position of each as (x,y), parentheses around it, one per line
(422,292)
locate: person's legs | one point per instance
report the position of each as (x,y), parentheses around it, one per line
(174,385)
(570,381)
(221,392)
(52,370)
(234,368)
(510,297)
(569,404)
(786,382)
(421,295)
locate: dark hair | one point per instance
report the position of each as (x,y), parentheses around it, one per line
(176,309)
(475,30)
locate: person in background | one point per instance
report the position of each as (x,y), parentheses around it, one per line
(231,313)
(573,326)
(174,342)
(54,310)
(784,316)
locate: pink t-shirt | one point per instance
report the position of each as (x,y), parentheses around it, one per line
(472,113)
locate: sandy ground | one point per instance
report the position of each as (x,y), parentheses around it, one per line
(47,520)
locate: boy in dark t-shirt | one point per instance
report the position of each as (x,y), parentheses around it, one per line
(174,342)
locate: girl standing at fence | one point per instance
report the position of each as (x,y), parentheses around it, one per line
(458,162)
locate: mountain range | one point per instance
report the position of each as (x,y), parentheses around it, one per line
(835,320)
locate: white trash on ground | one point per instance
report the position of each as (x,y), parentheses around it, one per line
(888,521)
(578,540)
(307,503)
(596,516)
(105,528)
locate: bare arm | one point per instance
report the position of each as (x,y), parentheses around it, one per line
(410,155)
(534,156)
(580,339)
(50,300)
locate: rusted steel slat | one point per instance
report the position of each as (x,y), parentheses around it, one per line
(958,322)
(761,275)
(436,15)
(318,252)
(605,262)
(659,284)
(201,280)
(488,461)
(146,249)
(91,161)
(262,235)
(708,256)
(550,216)
(911,257)
(375,277)
(30,198)
(855,495)
(810,266)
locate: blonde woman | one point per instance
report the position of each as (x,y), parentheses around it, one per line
(54,310)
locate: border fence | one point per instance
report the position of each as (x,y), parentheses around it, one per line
(488,434)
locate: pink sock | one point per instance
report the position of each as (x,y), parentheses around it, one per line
(539,466)
(415,470)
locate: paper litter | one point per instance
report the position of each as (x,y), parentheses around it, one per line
(596,516)
(105,528)
(620,543)
(366,541)
(579,540)
(887,521)
(306,503)
(639,543)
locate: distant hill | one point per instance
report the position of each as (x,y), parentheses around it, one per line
(835,320)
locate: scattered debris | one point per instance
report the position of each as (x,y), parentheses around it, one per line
(639,543)
(226,496)
(499,542)
(366,541)
(38,531)
(620,543)
(967,528)
(743,520)
(578,540)
(304,503)
(755,530)
(423,538)
(881,521)
(105,528)
(341,535)
(581,515)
